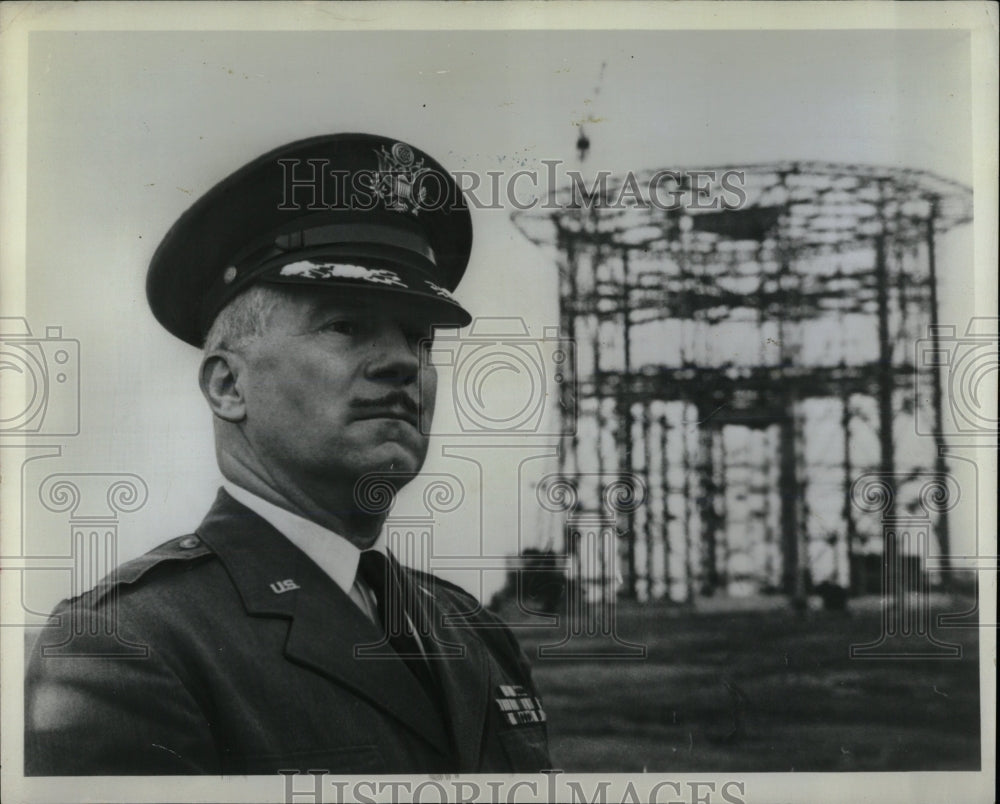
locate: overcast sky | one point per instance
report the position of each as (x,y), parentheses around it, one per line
(128,129)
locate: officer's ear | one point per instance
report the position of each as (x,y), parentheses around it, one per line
(219,380)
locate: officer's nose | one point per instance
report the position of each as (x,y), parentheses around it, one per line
(394,355)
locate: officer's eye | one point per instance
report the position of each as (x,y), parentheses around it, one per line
(418,338)
(342,326)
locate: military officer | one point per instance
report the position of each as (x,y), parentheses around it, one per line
(282,634)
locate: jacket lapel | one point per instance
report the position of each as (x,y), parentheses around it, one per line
(326,626)
(462,668)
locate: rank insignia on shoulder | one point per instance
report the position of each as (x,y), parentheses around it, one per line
(518,707)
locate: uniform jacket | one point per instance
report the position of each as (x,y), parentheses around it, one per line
(230,652)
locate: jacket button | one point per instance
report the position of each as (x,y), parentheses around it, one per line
(189,542)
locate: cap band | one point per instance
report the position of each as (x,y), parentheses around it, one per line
(357,233)
(339,241)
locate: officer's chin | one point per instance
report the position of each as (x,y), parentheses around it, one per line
(398,463)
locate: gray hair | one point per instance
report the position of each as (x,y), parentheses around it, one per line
(243,319)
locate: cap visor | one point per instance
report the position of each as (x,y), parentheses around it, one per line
(407,303)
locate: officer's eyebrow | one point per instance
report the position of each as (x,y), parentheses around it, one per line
(408,319)
(324,307)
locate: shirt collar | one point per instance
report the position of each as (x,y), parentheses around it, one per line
(330,551)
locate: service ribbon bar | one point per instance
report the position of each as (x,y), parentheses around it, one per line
(518,707)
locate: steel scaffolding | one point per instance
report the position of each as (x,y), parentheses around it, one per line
(747,363)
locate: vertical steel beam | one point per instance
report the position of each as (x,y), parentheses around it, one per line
(665,506)
(885,373)
(647,474)
(943,532)
(851,527)
(625,418)
(788,486)
(689,573)
(706,504)
(722,511)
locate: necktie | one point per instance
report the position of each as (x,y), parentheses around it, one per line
(398,611)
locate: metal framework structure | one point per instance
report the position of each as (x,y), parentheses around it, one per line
(747,363)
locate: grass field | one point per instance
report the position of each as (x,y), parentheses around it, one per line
(759,690)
